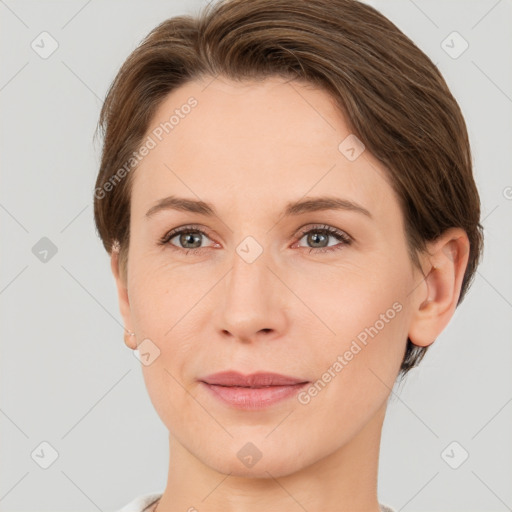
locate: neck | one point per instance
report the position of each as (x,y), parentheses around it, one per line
(342,481)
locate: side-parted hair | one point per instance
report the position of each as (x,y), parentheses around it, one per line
(392,96)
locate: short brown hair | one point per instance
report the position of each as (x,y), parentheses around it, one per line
(392,96)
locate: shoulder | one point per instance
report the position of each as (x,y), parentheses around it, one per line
(141,502)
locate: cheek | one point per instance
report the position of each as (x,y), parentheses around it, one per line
(367,313)
(370,337)
(356,368)
(160,296)
(162,305)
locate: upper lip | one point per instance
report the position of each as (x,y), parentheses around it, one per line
(254,380)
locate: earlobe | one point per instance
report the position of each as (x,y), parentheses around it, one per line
(123,299)
(434,302)
(129,340)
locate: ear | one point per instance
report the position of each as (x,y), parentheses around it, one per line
(436,298)
(124,303)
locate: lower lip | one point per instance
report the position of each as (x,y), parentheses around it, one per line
(253,398)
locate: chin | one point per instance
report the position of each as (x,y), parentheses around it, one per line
(277,464)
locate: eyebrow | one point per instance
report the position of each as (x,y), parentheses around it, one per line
(293,208)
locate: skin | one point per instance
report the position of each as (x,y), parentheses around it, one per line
(248,148)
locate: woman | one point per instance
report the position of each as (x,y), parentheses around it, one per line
(287,197)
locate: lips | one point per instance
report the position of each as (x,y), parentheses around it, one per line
(254,380)
(254,392)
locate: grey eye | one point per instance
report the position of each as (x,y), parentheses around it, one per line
(189,237)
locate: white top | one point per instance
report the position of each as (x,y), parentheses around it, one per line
(148,502)
(144,503)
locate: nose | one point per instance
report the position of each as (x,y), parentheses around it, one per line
(252,301)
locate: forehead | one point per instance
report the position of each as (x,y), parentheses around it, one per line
(255,140)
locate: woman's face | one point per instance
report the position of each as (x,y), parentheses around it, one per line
(259,285)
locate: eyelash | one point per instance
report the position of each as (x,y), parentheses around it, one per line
(324,229)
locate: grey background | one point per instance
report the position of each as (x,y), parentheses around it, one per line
(66,376)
